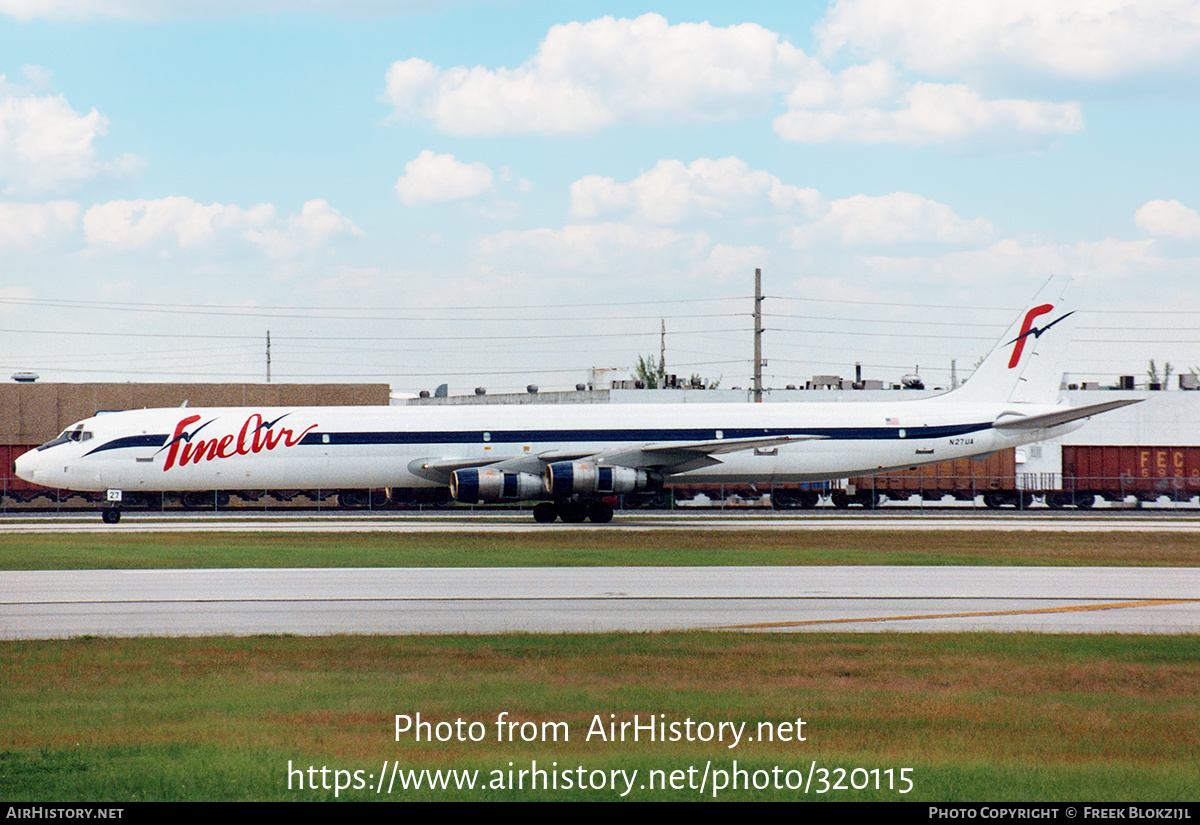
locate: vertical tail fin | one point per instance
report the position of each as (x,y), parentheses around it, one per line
(1027,363)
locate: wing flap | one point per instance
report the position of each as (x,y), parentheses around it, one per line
(720,446)
(669,456)
(677,457)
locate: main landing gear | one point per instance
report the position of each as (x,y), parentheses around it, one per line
(573,512)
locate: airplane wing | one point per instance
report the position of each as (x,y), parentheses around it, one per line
(677,457)
(670,457)
(1016,421)
(439,469)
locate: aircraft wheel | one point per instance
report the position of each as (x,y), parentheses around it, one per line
(600,512)
(572,512)
(544,512)
(111,516)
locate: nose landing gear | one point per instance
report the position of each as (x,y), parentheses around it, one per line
(112,513)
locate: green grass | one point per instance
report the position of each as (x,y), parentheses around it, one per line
(557,548)
(976,716)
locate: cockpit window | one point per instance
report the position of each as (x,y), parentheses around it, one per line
(54,442)
(74,434)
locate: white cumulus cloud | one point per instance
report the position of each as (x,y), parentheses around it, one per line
(1074,39)
(434,178)
(24,224)
(706,189)
(588,75)
(898,218)
(45,145)
(317,225)
(182,223)
(1168,219)
(872,104)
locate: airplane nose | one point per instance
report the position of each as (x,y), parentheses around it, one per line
(24,466)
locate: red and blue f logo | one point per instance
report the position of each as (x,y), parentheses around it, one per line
(1027,329)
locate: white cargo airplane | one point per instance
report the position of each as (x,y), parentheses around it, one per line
(572,457)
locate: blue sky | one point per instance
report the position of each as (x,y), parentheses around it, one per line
(500,193)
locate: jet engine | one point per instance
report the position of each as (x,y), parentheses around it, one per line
(574,478)
(481,484)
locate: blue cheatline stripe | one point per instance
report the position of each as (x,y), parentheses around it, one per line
(314,439)
(638,435)
(131,441)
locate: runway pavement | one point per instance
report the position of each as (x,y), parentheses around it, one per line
(56,604)
(1186,521)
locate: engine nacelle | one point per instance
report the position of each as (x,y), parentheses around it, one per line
(482,484)
(573,478)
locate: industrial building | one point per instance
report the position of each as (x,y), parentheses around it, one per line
(1146,450)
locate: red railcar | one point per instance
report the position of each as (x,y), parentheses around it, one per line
(15,488)
(1147,472)
(961,477)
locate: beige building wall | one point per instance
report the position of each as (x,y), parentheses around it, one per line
(34,413)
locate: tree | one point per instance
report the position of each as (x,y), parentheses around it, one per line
(650,372)
(1152,374)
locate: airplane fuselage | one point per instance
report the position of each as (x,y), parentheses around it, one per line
(183,449)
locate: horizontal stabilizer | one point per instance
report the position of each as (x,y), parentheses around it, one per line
(1016,421)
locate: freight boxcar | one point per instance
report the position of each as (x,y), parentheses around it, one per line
(993,477)
(1146,472)
(1112,473)
(17,489)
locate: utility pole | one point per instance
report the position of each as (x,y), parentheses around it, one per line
(268,356)
(662,346)
(758,331)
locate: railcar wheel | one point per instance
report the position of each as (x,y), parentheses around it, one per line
(781,500)
(994,500)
